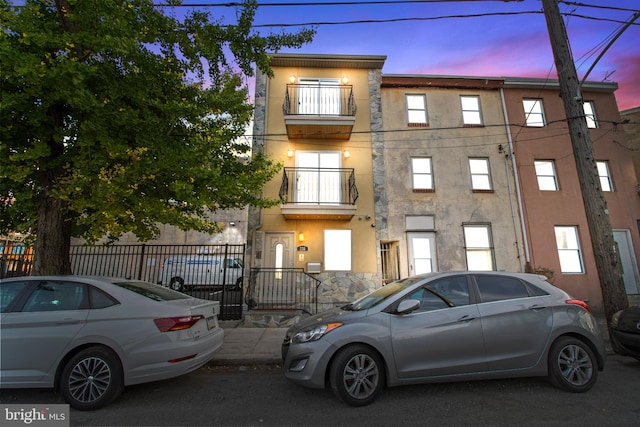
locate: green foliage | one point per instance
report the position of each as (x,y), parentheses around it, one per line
(128,114)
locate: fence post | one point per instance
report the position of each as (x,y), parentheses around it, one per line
(141,265)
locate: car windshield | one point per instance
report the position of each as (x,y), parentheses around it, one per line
(151,291)
(377,296)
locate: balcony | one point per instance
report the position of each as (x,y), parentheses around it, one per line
(319,111)
(318,193)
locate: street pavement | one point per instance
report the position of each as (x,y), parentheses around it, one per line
(249,346)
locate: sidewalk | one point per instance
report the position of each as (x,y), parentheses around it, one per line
(247,346)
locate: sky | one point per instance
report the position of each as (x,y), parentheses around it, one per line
(487,38)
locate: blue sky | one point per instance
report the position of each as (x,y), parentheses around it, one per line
(509,39)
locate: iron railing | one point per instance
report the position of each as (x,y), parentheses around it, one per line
(319,100)
(319,186)
(282,289)
(222,282)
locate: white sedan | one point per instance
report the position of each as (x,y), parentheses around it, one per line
(89,337)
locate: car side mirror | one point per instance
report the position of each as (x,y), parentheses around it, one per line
(407,306)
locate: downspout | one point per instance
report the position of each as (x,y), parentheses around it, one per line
(517,184)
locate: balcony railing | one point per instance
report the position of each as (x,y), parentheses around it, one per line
(318,186)
(319,100)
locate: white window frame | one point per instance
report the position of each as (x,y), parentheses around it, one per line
(319,96)
(337,250)
(605,176)
(546,174)
(471,113)
(590,114)
(534,112)
(416,113)
(569,253)
(478,246)
(480,171)
(422,174)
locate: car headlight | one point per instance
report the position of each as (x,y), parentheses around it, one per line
(315,333)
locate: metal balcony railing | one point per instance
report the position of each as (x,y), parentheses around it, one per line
(319,100)
(319,186)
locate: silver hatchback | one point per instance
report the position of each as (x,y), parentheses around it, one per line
(450,326)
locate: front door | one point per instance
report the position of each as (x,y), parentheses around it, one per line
(422,253)
(628,261)
(278,284)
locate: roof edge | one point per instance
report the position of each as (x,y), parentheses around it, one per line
(327,61)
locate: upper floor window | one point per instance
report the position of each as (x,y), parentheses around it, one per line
(546,173)
(569,249)
(605,177)
(422,172)
(319,96)
(471,110)
(478,247)
(417,110)
(480,175)
(590,114)
(533,113)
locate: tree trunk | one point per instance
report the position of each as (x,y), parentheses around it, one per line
(53,238)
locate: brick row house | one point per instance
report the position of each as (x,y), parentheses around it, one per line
(392,175)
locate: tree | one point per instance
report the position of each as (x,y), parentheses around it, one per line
(119,115)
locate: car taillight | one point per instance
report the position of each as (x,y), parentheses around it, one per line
(580,303)
(167,324)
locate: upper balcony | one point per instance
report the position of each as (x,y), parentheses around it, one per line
(318,193)
(319,111)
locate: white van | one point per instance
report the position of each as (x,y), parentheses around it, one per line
(183,272)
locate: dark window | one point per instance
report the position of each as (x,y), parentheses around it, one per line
(9,292)
(56,296)
(154,292)
(443,293)
(101,300)
(498,288)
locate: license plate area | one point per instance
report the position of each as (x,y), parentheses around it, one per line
(211,322)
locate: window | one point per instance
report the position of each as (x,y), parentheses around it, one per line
(569,249)
(546,173)
(337,250)
(417,110)
(9,292)
(319,96)
(533,113)
(590,114)
(318,178)
(480,176)
(422,173)
(471,110)
(605,177)
(498,288)
(57,296)
(443,293)
(478,247)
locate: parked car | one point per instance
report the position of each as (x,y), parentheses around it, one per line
(447,327)
(90,337)
(180,273)
(624,331)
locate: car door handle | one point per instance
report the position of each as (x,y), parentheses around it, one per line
(537,307)
(466,318)
(68,322)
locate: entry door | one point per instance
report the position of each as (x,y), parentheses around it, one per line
(318,177)
(319,97)
(628,260)
(422,253)
(278,286)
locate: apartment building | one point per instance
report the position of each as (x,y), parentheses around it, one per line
(450,187)
(555,224)
(317,115)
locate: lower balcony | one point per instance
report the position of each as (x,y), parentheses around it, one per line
(318,193)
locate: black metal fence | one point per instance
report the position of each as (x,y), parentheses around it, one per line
(213,272)
(282,289)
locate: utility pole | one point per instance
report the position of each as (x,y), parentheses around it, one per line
(595,206)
